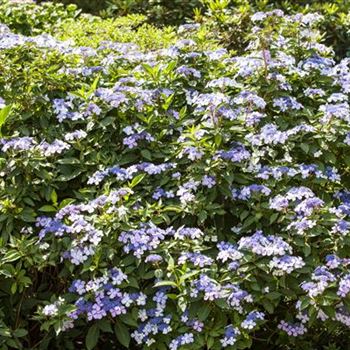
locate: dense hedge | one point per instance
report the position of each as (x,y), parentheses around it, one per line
(169,193)
(226,20)
(159,11)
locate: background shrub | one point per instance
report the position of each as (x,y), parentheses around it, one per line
(29,19)
(226,19)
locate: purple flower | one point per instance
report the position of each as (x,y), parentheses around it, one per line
(339,110)
(230,336)
(222,83)
(193,153)
(285,103)
(153,258)
(236,154)
(18,144)
(184,339)
(196,259)
(188,232)
(250,98)
(279,203)
(246,192)
(211,289)
(264,245)
(75,135)
(251,319)
(292,329)
(228,251)
(208,181)
(146,238)
(56,147)
(307,206)
(187,71)
(132,141)
(286,264)
(344,286)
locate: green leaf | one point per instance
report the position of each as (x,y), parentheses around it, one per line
(20,332)
(47,208)
(69,160)
(218,139)
(92,337)
(54,196)
(273,295)
(5,332)
(305,147)
(12,343)
(11,255)
(4,113)
(93,86)
(105,326)
(188,275)
(122,334)
(203,312)
(165,283)
(210,342)
(268,306)
(70,176)
(182,304)
(273,217)
(14,288)
(176,209)
(128,319)
(66,202)
(107,121)
(307,250)
(202,216)
(329,311)
(304,304)
(136,180)
(146,154)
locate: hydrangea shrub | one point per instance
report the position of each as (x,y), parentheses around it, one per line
(176,198)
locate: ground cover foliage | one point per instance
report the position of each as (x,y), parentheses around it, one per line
(165,188)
